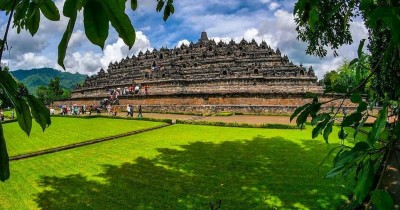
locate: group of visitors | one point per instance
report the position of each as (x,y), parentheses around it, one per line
(72,110)
(129,111)
(134,89)
(112,110)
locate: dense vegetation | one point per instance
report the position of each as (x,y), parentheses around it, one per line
(326,24)
(346,77)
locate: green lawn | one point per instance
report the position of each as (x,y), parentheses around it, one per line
(181,167)
(64,131)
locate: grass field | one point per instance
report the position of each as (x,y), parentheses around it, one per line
(181,167)
(64,131)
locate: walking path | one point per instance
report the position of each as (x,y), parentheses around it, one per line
(250,119)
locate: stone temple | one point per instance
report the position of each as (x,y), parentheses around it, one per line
(204,77)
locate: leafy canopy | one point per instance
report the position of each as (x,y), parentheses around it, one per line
(325,24)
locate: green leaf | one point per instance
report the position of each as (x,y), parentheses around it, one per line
(49,10)
(71,8)
(319,117)
(328,155)
(342,134)
(302,118)
(23,115)
(134,4)
(160,5)
(62,47)
(360,126)
(169,9)
(120,21)
(351,119)
(4,159)
(318,129)
(96,23)
(39,112)
(381,199)
(360,146)
(362,106)
(360,47)
(364,183)
(314,108)
(335,171)
(356,98)
(298,110)
(378,126)
(328,130)
(33,18)
(20,10)
(6,5)
(313,19)
(9,86)
(352,62)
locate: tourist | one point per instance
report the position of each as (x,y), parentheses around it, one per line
(146,89)
(137,88)
(52,111)
(90,109)
(76,111)
(68,110)
(131,107)
(140,112)
(128,110)
(84,109)
(109,109)
(12,114)
(115,110)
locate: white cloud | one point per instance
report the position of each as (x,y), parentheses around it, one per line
(31,60)
(185,42)
(273,6)
(77,38)
(118,50)
(84,63)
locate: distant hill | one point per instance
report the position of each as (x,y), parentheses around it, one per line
(33,78)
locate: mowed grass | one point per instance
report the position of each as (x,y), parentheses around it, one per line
(181,167)
(64,131)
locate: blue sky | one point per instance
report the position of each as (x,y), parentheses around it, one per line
(267,20)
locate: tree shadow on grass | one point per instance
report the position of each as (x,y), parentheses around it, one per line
(262,173)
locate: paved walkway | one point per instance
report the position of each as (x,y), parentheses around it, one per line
(251,119)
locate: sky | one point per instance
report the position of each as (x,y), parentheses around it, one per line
(268,20)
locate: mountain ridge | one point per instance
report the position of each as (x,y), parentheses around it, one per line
(33,78)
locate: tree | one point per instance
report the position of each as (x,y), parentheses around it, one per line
(325,24)
(52,92)
(345,77)
(97,15)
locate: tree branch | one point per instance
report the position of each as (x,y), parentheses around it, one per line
(6,32)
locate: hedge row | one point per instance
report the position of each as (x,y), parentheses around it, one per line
(243,125)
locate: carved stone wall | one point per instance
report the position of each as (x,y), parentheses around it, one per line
(204,76)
